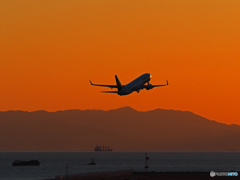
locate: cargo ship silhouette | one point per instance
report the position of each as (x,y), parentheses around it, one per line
(26,163)
(102,148)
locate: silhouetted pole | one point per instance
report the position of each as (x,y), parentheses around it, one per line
(67,171)
(146,159)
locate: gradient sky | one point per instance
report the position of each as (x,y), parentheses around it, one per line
(50,49)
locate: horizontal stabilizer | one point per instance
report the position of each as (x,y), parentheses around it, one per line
(109,91)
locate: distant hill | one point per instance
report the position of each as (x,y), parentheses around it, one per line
(122,129)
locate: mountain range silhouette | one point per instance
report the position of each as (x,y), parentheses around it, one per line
(123,129)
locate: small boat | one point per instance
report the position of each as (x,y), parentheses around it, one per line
(26,163)
(92,163)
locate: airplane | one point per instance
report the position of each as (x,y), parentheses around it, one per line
(136,85)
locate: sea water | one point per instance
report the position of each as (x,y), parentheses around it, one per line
(60,163)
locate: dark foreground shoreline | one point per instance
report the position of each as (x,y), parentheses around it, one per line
(132,175)
(177,175)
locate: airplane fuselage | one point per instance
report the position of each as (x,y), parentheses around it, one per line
(135,85)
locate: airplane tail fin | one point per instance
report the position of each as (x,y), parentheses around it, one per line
(119,85)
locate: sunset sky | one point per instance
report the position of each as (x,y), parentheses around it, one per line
(50,49)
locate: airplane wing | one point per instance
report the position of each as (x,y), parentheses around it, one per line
(110,86)
(150,86)
(160,85)
(109,91)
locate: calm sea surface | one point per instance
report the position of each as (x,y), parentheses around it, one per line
(54,163)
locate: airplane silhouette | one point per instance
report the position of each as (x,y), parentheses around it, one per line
(135,85)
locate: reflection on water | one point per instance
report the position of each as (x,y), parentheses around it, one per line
(54,163)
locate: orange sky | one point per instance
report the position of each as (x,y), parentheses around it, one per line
(50,49)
